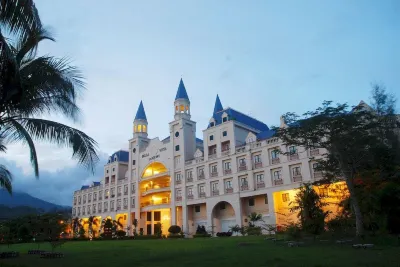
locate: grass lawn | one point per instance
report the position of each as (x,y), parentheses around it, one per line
(231,251)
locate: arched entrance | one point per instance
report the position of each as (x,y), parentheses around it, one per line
(223,217)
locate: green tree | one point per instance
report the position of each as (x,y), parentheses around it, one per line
(90,222)
(253,218)
(32,86)
(357,140)
(308,205)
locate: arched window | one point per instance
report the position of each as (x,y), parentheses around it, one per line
(135,128)
(144,128)
(176,108)
(139,128)
(182,108)
(187,108)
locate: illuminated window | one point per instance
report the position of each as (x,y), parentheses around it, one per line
(187,108)
(182,108)
(144,128)
(135,128)
(285,197)
(176,108)
(139,128)
(323,192)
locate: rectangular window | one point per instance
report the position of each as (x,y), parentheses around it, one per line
(201,189)
(119,190)
(157,216)
(274,154)
(292,150)
(190,191)
(177,160)
(266,199)
(212,124)
(90,197)
(285,197)
(228,184)
(227,165)
(201,172)
(315,166)
(119,203)
(177,148)
(277,175)
(126,189)
(112,204)
(133,202)
(189,174)
(242,162)
(214,186)
(251,202)
(214,169)
(243,181)
(99,206)
(257,158)
(197,209)
(133,162)
(148,216)
(225,119)
(105,205)
(211,137)
(88,209)
(125,202)
(133,188)
(178,177)
(95,196)
(224,133)
(296,171)
(260,178)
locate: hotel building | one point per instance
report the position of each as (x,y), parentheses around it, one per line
(215,181)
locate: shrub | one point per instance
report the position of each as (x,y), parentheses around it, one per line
(174,229)
(224,234)
(120,233)
(176,236)
(144,237)
(201,230)
(253,230)
(293,231)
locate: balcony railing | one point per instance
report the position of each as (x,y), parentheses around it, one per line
(100,198)
(178,181)
(242,167)
(112,196)
(202,194)
(156,188)
(294,156)
(244,187)
(260,185)
(200,176)
(94,199)
(79,214)
(297,178)
(189,196)
(125,193)
(227,171)
(278,182)
(89,201)
(215,192)
(314,152)
(84,202)
(212,156)
(83,213)
(125,207)
(229,190)
(79,203)
(189,179)
(318,174)
(133,205)
(178,198)
(112,209)
(106,197)
(118,194)
(258,165)
(214,174)
(201,159)
(154,203)
(105,209)
(112,182)
(188,162)
(133,191)
(99,210)
(275,161)
(241,149)
(118,208)
(225,152)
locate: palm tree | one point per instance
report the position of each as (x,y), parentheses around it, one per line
(90,222)
(76,225)
(253,218)
(32,86)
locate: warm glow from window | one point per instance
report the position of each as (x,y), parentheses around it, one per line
(182,108)
(144,128)
(139,128)
(154,169)
(187,107)
(176,108)
(135,128)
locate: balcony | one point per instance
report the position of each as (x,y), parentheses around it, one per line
(278,182)
(229,190)
(297,178)
(89,201)
(156,189)
(260,185)
(178,198)
(94,199)
(118,208)
(99,211)
(225,152)
(112,196)
(202,194)
(258,165)
(190,196)
(215,192)
(119,194)
(178,182)
(200,176)
(275,161)
(125,207)
(112,182)
(318,174)
(227,171)
(212,156)
(106,197)
(79,214)
(105,209)
(79,203)
(155,175)
(242,167)
(214,174)
(294,156)
(125,193)
(155,202)
(100,198)
(84,202)
(241,149)
(244,187)
(189,179)
(133,205)
(83,213)
(314,152)
(112,209)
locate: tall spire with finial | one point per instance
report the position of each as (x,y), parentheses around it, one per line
(218,106)
(141,114)
(181,93)
(182,103)
(140,122)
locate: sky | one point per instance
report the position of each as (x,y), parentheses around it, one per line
(264,58)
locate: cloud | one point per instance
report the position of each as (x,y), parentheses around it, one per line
(54,186)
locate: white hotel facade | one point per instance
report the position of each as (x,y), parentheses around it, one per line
(183,180)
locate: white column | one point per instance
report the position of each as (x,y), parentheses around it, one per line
(185,225)
(271,208)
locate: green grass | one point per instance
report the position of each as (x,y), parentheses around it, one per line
(208,252)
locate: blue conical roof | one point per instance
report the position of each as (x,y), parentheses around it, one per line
(140,114)
(218,105)
(181,94)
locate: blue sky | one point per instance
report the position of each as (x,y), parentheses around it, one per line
(263,58)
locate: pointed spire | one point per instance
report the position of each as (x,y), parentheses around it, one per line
(140,114)
(218,105)
(181,94)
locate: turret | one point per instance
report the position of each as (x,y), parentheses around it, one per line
(140,122)
(182,103)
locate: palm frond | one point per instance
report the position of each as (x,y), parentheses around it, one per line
(15,132)
(50,84)
(19,16)
(27,46)
(5,179)
(84,148)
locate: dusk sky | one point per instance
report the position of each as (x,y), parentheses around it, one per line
(263,58)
